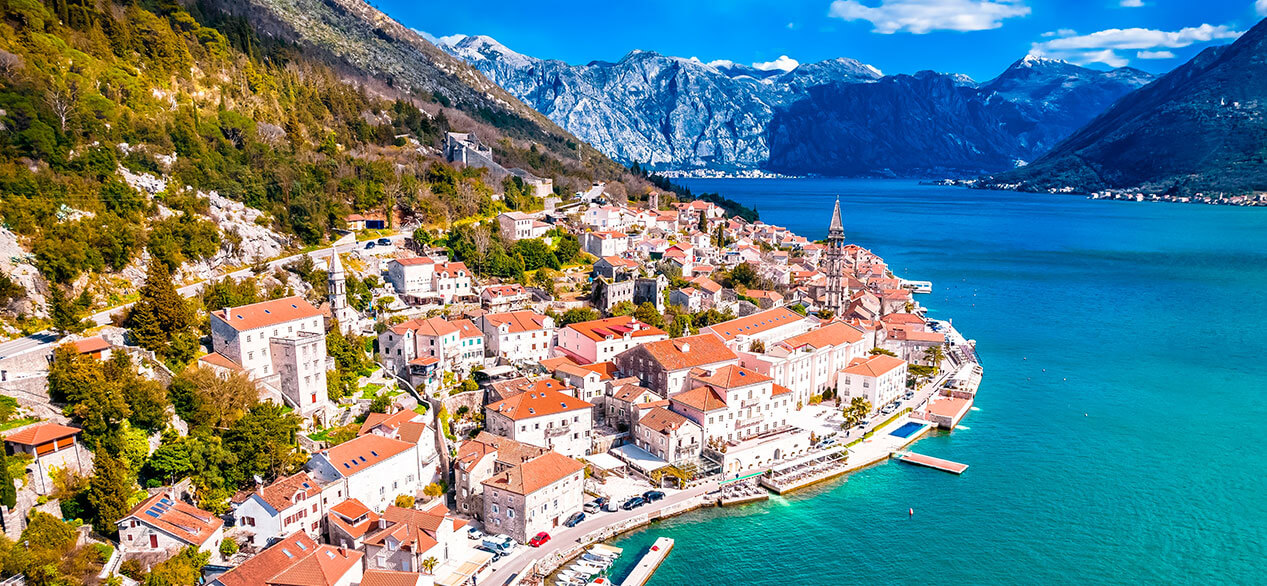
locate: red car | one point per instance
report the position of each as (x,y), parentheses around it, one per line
(539,540)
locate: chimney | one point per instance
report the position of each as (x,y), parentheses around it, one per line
(686,347)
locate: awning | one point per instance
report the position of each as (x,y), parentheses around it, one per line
(472,566)
(604,461)
(639,458)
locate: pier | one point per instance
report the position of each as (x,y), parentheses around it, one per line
(931,462)
(649,562)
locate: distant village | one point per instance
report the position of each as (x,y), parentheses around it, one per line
(694,359)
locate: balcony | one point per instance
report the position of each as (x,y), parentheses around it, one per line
(558,431)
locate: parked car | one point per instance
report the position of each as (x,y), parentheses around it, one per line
(652,496)
(499,543)
(369,245)
(474,533)
(611,506)
(539,539)
(592,507)
(384,241)
(574,520)
(497,555)
(633,503)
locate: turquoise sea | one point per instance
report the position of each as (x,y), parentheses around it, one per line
(1116,441)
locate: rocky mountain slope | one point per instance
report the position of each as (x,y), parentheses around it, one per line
(681,113)
(1200,128)
(934,124)
(654,109)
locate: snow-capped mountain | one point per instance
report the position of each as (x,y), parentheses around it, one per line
(673,112)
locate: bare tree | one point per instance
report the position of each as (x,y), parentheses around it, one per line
(482,239)
(10,65)
(61,99)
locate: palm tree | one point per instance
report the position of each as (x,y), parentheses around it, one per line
(430,564)
(934,354)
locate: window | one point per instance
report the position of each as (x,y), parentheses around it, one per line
(510,513)
(496,509)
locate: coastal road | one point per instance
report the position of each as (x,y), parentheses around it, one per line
(562,538)
(44,337)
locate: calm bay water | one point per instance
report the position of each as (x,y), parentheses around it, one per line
(1116,441)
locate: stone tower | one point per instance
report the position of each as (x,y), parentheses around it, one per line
(834,264)
(338,292)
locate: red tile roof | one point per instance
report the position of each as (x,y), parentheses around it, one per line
(948,406)
(90,345)
(267,313)
(324,567)
(37,435)
(286,492)
(875,366)
(756,323)
(181,520)
(221,361)
(537,403)
(687,351)
(518,321)
(703,398)
(833,334)
(467,329)
(257,570)
(387,422)
(535,474)
(359,454)
(390,578)
(615,328)
(509,451)
(661,420)
(414,261)
(732,377)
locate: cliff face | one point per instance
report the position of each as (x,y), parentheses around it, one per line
(1199,128)
(681,113)
(649,108)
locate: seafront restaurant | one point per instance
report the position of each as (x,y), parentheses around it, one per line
(947,412)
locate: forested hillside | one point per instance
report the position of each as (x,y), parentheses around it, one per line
(91,91)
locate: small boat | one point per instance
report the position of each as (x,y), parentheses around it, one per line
(589,557)
(601,582)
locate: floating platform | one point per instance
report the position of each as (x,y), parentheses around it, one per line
(931,462)
(739,500)
(649,562)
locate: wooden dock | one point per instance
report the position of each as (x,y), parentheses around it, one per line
(649,562)
(931,462)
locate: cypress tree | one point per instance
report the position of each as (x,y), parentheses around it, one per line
(8,494)
(160,313)
(108,492)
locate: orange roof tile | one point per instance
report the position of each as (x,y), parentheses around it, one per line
(537,403)
(286,492)
(390,578)
(351,457)
(467,329)
(182,520)
(535,474)
(324,567)
(265,564)
(221,361)
(703,398)
(267,313)
(41,434)
(756,323)
(93,344)
(687,351)
(414,261)
(833,334)
(518,321)
(661,420)
(875,366)
(732,377)
(615,328)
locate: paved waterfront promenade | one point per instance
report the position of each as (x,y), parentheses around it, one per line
(602,524)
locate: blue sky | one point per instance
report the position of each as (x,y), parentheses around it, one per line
(976,37)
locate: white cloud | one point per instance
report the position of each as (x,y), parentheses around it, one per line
(1064,32)
(1102,46)
(783,63)
(1260,6)
(722,63)
(1131,3)
(921,16)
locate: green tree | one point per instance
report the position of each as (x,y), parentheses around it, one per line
(577,315)
(623,308)
(8,492)
(264,441)
(160,316)
(108,492)
(744,274)
(405,501)
(648,314)
(680,326)
(429,564)
(207,401)
(179,570)
(884,351)
(64,313)
(228,547)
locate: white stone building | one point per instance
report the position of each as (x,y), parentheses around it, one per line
(517,336)
(371,468)
(879,379)
(547,418)
(602,339)
(538,495)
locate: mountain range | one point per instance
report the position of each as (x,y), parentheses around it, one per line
(835,117)
(1199,129)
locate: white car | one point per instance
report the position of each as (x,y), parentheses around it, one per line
(474,533)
